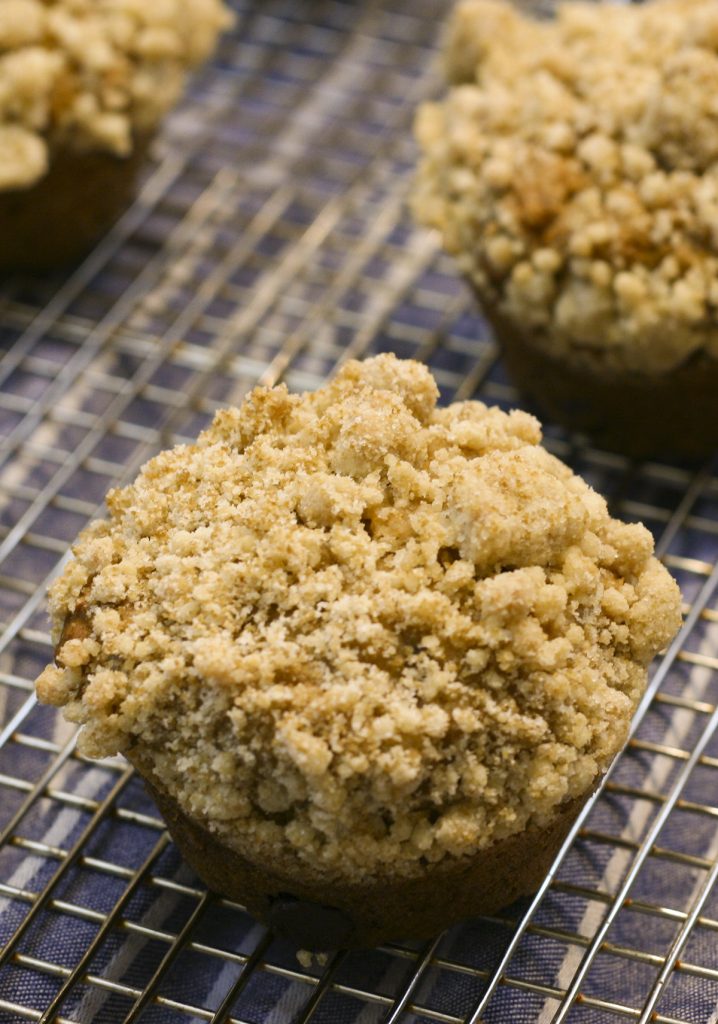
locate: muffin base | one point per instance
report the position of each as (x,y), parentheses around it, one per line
(318,913)
(640,415)
(58,220)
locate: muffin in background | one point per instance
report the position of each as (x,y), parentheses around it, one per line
(370,655)
(572,169)
(84,85)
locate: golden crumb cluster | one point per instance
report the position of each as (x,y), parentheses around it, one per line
(573,170)
(357,629)
(92,74)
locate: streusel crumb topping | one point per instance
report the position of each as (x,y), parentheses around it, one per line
(573,170)
(92,74)
(360,628)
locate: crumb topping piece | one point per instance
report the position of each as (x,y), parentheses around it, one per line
(358,629)
(573,170)
(92,74)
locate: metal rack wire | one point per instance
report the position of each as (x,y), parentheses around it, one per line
(270,241)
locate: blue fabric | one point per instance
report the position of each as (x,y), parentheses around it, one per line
(281,97)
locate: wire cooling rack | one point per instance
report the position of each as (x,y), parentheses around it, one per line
(270,241)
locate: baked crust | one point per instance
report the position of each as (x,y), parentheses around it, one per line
(57,221)
(317,915)
(638,414)
(298,902)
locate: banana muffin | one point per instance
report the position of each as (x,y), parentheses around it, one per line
(84,85)
(572,169)
(371,655)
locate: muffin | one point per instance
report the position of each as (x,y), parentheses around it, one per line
(572,169)
(370,655)
(84,85)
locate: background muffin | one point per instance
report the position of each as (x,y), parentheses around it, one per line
(84,85)
(573,171)
(370,654)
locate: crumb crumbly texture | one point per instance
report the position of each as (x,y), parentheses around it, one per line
(573,171)
(93,74)
(361,628)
